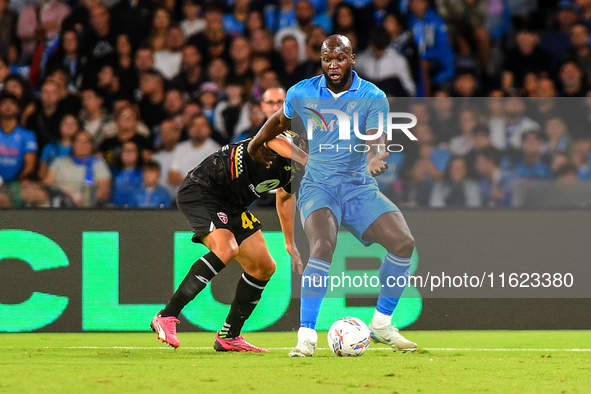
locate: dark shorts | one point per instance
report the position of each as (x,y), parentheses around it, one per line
(206,209)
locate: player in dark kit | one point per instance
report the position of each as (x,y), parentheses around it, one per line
(214,198)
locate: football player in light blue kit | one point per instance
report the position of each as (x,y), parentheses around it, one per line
(338,186)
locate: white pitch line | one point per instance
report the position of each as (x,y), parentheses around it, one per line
(447,349)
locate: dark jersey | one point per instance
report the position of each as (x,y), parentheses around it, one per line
(240,180)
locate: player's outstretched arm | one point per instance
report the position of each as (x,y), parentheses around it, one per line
(284,147)
(283,201)
(274,126)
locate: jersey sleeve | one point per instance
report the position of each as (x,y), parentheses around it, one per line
(287,108)
(378,105)
(45,154)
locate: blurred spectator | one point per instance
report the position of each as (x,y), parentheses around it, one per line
(417,187)
(188,154)
(169,59)
(571,79)
(507,134)
(531,166)
(135,17)
(558,139)
(127,176)
(557,160)
(495,183)
(16,85)
(465,20)
(280,16)
(174,105)
(150,194)
(127,72)
(304,13)
(403,41)
(240,55)
(585,11)
(385,66)
(582,157)
(566,174)
(18,146)
(190,78)
(435,51)
(38,195)
(312,66)
(324,19)
(558,39)
(254,21)
(85,178)
(69,101)
(235,22)
(126,119)
(455,190)
(345,18)
(38,23)
(288,74)
(208,99)
(94,118)
(69,57)
(465,84)
(230,115)
(444,116)
(580,50)
(256,118)
(152,101)
(161,22)
(374,14)
(4,70)
(62,147)
(192,23)
(47,116)
(212,42)
(528,56)
(8,23)
(217,73)
(109,82)
(79,19)
(100,43)
(261,43)
(463,144)
(170,135)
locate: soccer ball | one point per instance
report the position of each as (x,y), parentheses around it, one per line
(348,336)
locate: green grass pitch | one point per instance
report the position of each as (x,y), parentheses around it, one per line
(449,361)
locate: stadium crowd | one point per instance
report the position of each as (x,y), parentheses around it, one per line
(111,103)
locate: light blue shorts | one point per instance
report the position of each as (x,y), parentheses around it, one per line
(356,206)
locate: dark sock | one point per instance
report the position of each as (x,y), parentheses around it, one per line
(248,294)
(198,277)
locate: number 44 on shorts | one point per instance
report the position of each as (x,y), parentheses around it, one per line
(247,223)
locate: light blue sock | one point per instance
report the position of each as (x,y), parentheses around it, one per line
(314,281)
(392,267)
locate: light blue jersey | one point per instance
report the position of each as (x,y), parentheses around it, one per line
(336,153)
(336,174)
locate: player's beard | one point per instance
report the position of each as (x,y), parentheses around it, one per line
(344,81)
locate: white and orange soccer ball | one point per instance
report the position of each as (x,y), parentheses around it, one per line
(348,337)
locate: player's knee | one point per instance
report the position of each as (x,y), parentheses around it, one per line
(322,249)
(404,246)
(264,270)
(226,252)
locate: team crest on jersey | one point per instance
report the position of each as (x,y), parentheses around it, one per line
(223,217)
(351,106)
